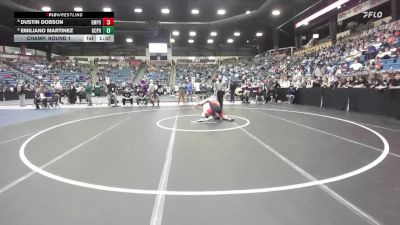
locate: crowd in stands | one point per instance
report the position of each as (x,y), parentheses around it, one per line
(367,59)
(38,69)
(162,74)
(197,71)
(9,78)
(195,79)
(117,73)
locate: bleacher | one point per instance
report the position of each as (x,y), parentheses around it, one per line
(198,71)
(392,64)
(8,78)
(117,74)
(121,74)
(158,73)
(79,77)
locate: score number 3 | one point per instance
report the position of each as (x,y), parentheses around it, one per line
(108,21)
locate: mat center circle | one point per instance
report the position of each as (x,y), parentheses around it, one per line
(40,169)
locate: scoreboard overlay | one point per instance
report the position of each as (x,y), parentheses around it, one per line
(64,26)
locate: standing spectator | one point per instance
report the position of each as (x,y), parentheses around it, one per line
(58,91)
(169,90)
(81,93)
(189,91)
(232,89)
(72,94)
(220,89)
(203,90)
(88,92)
(97,92)
(111,93)
(181,91)
(246,87)
(197,90)
(21,94)
(152,89)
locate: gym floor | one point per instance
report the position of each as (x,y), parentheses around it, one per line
(276,164)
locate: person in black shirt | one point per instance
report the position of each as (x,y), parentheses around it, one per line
(72,92)
(141,96)
(317,82)
(277,86)
(291,94)
(334,84)
(394,82)
(350,81)
(111,93)
(127,96)
(232,88)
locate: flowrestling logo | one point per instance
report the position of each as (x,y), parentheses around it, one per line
(373,14)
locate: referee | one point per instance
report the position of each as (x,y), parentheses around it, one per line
(220,89)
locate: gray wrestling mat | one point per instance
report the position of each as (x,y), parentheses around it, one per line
(276,164)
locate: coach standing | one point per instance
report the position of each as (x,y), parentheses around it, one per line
(21,94)
(181,91)
(88,92)
(220,89)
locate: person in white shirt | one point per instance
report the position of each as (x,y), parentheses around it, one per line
(197,90)
(317,71)
(285,83)
(356,66)
(152,88)
(21,93)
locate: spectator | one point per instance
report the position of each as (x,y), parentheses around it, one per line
(21,94)
(88,92)
(290,94)
(97,92)
(112,93)
(72,94)
(189,91)
(220,90)
(58,91)
(127,96)
(394,82)
(232,88)
(181,91)
(356,66)
(196,88)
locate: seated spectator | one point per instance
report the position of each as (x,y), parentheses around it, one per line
(43,97)
(127,96)
(291,94)
(356,66)
(394,81)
